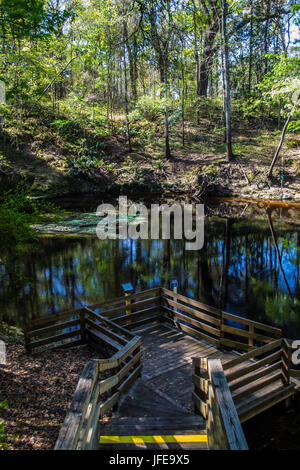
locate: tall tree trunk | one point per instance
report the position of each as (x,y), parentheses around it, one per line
(183,92)
(266,37)
(132,52)
(196,51)
(209,51)
(126,90)
(250,47)
(227,83)
(167,143)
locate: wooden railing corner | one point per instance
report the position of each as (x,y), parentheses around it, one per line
(213,400)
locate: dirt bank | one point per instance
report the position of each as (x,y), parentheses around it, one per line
(38,390)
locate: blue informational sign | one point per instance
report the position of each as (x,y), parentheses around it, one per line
(127,287)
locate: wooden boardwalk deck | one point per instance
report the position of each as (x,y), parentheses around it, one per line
(170,375)
(160,403)
(167,362)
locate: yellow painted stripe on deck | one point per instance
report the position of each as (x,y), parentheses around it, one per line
(180,439)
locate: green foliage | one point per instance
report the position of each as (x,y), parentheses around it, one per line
(175,117)
(17,213)
(3,437)
(151,109)
(4,404)
(282,84)
(66,127)
(84,164)
(294,126)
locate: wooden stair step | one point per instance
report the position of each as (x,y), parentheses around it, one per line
(156,421)
(155,441)
(171,446)
(157,410)
(150,430)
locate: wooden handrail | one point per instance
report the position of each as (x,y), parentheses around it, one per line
(214,325)
(213,399)
(109,323)
(121,300)
(79,430)
(245,377)
(72,429)
(253,353)
(193,317)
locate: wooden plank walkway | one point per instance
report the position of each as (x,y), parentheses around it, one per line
(167,362)
(160,402)
(169,388)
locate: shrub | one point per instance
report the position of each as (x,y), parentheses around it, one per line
(151,109)
(17,213)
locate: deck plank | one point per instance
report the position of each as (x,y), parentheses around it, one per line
(167,361)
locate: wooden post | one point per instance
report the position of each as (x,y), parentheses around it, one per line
(128,289)
(225,415)
(200,387)
(174,285)
(197,371)
(285,362)
(222,320)
(161,303)
(82,327)
(286,368)
(250,339)
(26,340)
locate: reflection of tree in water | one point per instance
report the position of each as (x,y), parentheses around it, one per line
(238,269)
(277,252)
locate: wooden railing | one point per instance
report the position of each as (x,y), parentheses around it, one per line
(218,390)
(212,398)
(219,328)
(99,389)
(246,376)
(133,311)
(191,316)
(64,329)
(92,323)
(244,334)
(213,325)
(98,329)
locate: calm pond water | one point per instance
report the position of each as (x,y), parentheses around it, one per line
(249,265)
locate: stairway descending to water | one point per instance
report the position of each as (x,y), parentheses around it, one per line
(148,420)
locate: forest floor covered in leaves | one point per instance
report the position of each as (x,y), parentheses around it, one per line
(37,391)
(55,157)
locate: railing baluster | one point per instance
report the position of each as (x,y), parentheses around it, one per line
(250,339)
(286,362)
